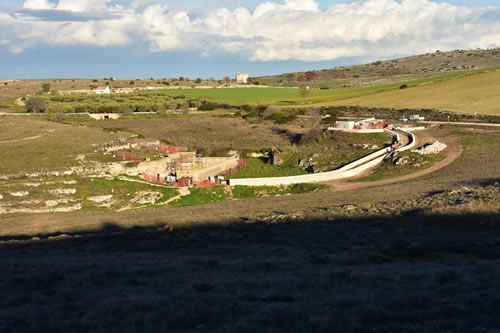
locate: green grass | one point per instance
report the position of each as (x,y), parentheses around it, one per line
(388,170)
(247,192)
(200,196)
(290,96)
(258,168)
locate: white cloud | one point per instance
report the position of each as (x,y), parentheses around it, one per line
(289,30)
(38,4)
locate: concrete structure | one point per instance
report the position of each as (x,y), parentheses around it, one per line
(103,90)
(351,170)
(345,124)
(242,78)
(416,117)
(187,165)
(348,171)
(103,116)
(366,124)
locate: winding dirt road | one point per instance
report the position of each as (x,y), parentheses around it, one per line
(430,135)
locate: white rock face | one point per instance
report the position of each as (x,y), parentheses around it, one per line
(101,198)
(60,191)
(1,197)
(19,194)
(434,148)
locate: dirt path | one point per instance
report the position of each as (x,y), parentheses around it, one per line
(24,139)
(183,191)
(454,150)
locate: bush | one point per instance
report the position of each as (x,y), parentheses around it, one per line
(287,119)
(253,114)
(35,105)
(404,86)
(310,136)
(198,80)
(246,108)
(46,87)
(207,106)
(131,83)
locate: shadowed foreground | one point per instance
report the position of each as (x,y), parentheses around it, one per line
(414,273)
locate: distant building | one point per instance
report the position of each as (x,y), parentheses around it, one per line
(242,78)
(102,90)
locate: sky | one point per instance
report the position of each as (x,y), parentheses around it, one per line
(216,38)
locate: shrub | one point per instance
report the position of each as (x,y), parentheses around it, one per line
(131,83)
(404,86)
(253,114)
(46,87)
(286,119)
(310,136)
(207,106)
(198,80)
(277,116)
(35,105)
(246,108)
(224,106)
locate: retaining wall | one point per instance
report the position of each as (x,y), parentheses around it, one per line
(348,171)
(413,140)
(351,170)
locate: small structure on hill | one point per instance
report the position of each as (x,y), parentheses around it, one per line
(416,117)
(104,116)
(103,90)
(176,166)
(366,124)
(242,78)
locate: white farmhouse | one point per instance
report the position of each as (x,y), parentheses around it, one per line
(102,90)
(242,78)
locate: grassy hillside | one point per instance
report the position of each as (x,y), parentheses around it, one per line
(392,70)
(477,93)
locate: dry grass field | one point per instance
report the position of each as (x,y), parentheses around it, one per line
(476,93)
(32,144)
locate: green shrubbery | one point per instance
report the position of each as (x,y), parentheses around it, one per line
(135,102)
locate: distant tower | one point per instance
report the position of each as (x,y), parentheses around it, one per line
(242,78)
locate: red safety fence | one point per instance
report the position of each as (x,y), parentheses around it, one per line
(126,156)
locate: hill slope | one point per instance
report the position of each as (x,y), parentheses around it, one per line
(421,65)
(476,93)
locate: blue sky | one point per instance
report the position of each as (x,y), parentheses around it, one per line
(217,38)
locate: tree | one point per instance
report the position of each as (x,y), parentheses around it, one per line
(309,76)
(304,93)
(124,110)
(35,105)
(198,80)
(46,88)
